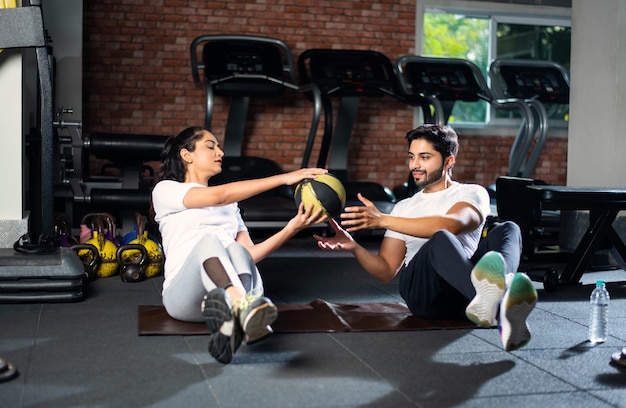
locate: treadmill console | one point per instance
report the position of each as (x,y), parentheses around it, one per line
(347,72)
(448,80)
(546,81)
(225,58)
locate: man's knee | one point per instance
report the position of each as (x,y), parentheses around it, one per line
(512,227)
(507,229)
(441,236)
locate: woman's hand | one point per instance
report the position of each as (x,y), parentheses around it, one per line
(306,217)
(296,176)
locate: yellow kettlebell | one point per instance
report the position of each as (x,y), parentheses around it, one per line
(154,264)
(106,249)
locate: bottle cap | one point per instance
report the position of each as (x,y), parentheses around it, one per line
(600,282)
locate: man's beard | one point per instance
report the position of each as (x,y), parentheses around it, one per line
(431,178)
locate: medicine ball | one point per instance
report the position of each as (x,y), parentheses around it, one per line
(324,191)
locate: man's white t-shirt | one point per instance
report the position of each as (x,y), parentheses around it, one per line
(181,227)
(438,203)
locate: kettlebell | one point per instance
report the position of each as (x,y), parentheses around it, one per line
(106,249)
(63,231)
(110,231)
(105,222)
(89,258)
(131,268)
(155,252)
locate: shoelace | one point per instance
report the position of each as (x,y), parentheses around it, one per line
(245,302)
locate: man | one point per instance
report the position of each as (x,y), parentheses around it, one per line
(433,243)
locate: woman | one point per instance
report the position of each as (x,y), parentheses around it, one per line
(210,271)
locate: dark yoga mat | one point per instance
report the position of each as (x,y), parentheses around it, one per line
(317,316)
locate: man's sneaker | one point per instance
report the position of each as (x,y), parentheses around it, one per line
(488,279)
(226,336)
(519,300)
(255,314)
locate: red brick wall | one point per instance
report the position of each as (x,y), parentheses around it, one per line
(137,79)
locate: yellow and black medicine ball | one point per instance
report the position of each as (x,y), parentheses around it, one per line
(324,191)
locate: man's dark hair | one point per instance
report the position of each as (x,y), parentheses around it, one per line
(443,138)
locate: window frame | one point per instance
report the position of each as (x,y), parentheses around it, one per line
(497,13)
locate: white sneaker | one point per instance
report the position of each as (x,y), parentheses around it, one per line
(489,281)
(519,300)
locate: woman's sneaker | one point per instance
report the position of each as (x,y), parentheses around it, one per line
(255,313)
(519,300)
(226,335)
(489,281)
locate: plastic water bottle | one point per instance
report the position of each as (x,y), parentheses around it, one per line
(599,321)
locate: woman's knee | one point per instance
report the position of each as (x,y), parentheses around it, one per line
(209,246)
(238,251)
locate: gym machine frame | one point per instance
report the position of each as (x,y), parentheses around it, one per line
(38,273)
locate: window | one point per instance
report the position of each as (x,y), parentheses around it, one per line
(482,32)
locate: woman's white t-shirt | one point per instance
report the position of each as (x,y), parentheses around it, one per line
(181,227)
(427,204)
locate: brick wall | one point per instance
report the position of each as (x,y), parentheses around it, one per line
(137,79)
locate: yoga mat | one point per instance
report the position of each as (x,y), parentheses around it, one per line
(317,316)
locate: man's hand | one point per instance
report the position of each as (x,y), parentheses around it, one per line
(362,217)
(342,241)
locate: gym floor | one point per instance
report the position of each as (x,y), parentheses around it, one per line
(88,353)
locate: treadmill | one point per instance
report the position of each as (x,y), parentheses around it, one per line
(242,68)
(538,83)
(348,75)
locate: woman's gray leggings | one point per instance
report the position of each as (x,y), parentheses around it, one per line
(183,295)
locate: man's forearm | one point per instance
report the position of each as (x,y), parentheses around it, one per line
(374,264)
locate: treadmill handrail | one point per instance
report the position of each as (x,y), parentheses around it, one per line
(268,78)
(525,133)
(542,135)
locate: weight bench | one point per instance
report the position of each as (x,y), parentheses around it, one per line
(603,205)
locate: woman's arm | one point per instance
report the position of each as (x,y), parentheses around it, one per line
(303,219)
(236,191)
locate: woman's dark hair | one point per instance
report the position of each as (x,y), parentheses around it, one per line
(172,166)
(443,138)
